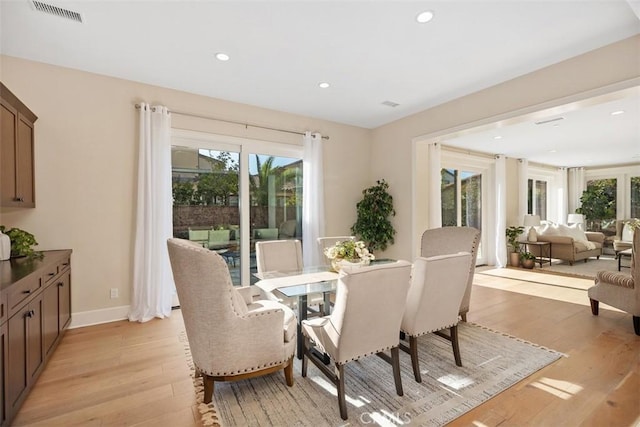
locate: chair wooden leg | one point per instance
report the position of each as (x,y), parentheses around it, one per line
(463,316)
(594,306)
(288,372)
(456,346)
(342,403)
(415,363)
(208,388)
(636,325)
(395,362)
(305,360)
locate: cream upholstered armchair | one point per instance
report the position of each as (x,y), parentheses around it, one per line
(365,320)
(222,322)
(437,286)
(451,240)
(624,235)
(620,290)
(327,242)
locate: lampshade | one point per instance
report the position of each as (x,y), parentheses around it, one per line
(531,220)
(575,219)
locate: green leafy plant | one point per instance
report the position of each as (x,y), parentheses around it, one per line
(512,234)
(598,203)
(526,255)
(21,242)
(373,225)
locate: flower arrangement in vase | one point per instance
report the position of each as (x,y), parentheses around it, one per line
(348,252)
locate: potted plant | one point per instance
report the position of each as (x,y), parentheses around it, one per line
(527,259)
(373,225)
(22,242)
(513,233)
(348,251)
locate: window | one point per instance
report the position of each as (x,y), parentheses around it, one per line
(599,206)
(537,198)
(635,197)
(461,195)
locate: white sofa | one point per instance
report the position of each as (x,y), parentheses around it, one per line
(569,243)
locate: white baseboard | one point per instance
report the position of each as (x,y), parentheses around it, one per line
(96,317)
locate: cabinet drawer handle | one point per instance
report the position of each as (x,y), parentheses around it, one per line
(30,313)
(28,291)
(19,199)
(60,284)
(52,274)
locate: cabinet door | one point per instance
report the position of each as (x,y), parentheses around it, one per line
(3,373)
(25,356)
(17,357)
(50,317)
(25,192)
(8,121)
(64,300)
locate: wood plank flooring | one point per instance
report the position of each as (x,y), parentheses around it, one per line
(125,373)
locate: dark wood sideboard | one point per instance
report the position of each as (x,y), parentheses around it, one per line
(35,311)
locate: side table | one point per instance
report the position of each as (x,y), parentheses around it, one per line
(544,252)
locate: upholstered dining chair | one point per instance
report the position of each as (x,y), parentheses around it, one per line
(230,336)
(437,286)
(620,290)
(365,320)
(327,242)
(451,240)
(283,255)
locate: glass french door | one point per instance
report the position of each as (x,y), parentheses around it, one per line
(461,198)
(230,192)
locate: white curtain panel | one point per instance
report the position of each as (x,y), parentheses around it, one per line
(313,198)
(152,281)
(576,187)
(523,188)
(435,178)
(563,196)
(500,253)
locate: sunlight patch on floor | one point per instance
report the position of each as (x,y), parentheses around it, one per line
(574,296)
(562,389)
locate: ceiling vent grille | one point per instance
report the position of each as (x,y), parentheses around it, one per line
(57,11)
(390,104)
(542,122)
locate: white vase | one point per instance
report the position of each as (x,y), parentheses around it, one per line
(339,264)
(5,247)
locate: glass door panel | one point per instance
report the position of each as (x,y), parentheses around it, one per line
(275,194)
(461,195)
(205,185)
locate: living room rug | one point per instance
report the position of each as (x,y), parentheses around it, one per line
(492,363)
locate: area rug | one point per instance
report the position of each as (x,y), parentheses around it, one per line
(492,363)
(587,270)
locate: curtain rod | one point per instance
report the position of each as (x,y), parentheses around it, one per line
(246,125)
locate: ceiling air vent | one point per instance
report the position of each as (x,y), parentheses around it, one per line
(57,11)
(390,104)
(542,122)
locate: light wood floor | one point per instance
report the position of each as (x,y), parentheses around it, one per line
(136,374)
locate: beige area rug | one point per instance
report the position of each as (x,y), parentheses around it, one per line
(587,270)
(492,363)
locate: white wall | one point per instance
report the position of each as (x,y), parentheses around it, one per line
(614,66)
(86,160)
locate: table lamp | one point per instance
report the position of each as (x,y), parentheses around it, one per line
(576,219)
(531,221)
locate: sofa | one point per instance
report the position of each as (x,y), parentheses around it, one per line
(569,243)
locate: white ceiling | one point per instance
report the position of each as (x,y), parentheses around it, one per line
(369,51)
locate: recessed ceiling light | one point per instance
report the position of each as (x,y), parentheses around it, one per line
(222,56)
(497,137)
(552,151)
(615,113)
(424,17)
(324,85)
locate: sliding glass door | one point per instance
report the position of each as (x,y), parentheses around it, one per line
(461,193)
(230,192)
